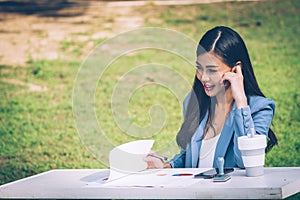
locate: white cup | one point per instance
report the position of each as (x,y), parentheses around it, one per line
(253,153)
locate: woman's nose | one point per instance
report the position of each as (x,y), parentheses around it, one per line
(205,77)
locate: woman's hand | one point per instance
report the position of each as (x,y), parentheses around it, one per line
(154,163)
(236,79)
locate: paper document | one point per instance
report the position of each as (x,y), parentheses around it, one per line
(128,158)
(160,178)
(128,169)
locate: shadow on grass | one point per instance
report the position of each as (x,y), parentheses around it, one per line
(46,8)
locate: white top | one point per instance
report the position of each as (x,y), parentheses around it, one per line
(207,152)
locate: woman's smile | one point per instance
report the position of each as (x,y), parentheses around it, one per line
(208,87)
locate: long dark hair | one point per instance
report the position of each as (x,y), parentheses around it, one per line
(230,47)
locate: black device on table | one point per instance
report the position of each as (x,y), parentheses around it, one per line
(212,173)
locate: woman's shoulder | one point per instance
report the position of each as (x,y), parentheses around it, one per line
(187,97)
(260,102)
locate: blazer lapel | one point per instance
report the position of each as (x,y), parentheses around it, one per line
(196,142)
(225,136)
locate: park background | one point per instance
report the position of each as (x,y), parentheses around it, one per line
(43,44)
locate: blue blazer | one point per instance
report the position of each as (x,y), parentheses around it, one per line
(258,114)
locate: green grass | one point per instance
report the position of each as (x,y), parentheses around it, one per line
(37,129)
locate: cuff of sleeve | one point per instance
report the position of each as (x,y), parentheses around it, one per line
(171,163)
(244,120)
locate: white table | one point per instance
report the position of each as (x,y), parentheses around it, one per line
(277,183)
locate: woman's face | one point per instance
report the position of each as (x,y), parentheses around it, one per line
(210,70)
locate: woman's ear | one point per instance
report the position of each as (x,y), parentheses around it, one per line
(238,63)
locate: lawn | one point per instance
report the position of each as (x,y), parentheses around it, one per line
(37,128)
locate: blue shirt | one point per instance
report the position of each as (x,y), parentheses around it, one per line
(258,114)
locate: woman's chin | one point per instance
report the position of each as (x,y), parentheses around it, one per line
(209,93)
(214,92)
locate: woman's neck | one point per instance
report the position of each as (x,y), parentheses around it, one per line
(223,100)
(219,110)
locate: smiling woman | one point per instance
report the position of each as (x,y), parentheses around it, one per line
(225,103)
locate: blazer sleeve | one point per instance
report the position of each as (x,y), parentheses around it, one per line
(258,115)
(179,159)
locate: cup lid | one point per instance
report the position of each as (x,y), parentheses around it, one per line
(248,143)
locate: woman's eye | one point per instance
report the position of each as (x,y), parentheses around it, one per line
(213,71)
(199,68)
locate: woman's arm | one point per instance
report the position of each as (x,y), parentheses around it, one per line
(157,163)
(179,160)
(258,114)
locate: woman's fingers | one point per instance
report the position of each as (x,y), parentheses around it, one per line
(228,76)
(153,162)
(239,70)
(235,75)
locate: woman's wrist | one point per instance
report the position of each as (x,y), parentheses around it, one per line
(241,102)
(167,165)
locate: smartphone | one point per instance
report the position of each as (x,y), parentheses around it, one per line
(226,83)
(212,173)
(222,178)
(207,174)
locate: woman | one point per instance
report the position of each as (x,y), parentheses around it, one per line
(224,104)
